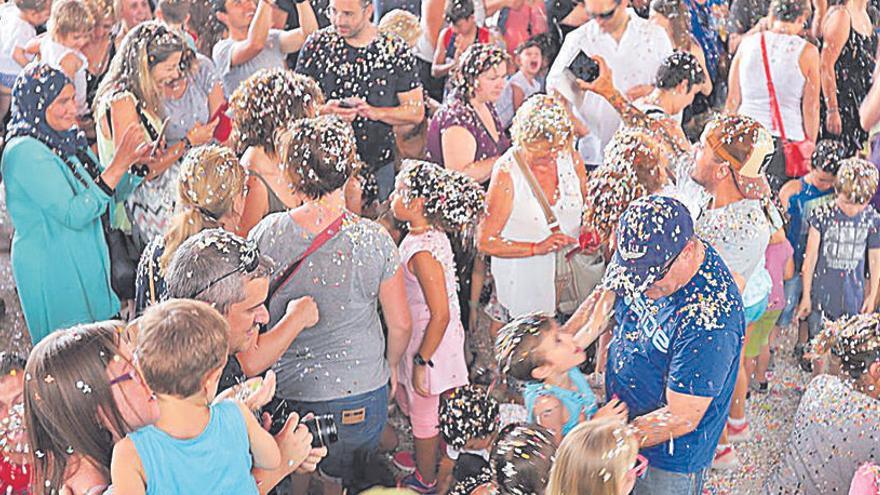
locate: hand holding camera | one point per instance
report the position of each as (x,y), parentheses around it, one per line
(592,74)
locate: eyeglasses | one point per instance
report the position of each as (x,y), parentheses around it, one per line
(248,262)
(607,14)
(641,465)
(667,266)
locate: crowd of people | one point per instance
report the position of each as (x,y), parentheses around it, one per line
(248,232)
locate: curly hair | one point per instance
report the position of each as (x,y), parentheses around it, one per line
(466,413)
(318,154)
(478,59)
(453,201)
(266,102)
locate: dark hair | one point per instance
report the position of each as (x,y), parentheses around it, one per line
(319,154)
(855,340)
(453,201)
(516,343)
(476,60)
(788,10)
(457,10)
(174,11)
(828,155)
(203,20)
(532,42)
(521,459)
(678,67)
(679,17)
(10,361)
(467,412)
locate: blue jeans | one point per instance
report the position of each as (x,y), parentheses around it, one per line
(364,435)
(792,288)
(658,481)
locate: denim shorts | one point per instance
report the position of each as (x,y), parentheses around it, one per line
(658,481)
(792,288)
(361,435)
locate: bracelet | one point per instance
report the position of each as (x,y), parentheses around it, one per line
(102,185)
(531,249)
(832,109)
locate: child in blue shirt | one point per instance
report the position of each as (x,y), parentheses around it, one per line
(195,446)
(557,396)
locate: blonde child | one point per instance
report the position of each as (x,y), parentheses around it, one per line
(599,457)
(532,348)
(19,20)
(433,201)
(834,263)
(70,29)
(194,446)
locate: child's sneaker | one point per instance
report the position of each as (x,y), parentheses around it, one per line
(404,461)
(415,483)
(738,434)
(726,459)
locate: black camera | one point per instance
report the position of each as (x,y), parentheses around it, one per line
(323,430)
(584,67)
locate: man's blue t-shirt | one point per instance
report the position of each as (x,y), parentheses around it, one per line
(688,342)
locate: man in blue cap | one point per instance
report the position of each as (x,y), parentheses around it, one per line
(674,352)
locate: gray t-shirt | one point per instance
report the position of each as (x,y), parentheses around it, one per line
(270,58)
(739,232)
(344,354)
(192,107)
(836,429)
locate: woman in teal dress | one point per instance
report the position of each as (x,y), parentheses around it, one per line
(56,193)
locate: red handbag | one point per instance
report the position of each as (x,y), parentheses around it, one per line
(797,153)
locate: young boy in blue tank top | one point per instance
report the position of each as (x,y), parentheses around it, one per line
(195,446)
(557,396)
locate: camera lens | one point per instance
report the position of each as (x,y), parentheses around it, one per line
(323,430)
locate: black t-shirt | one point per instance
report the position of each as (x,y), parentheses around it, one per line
(376,73)
(232,374)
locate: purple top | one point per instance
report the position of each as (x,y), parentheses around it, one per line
(457,112)
(775,258)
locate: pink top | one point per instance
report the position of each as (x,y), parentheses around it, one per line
(775,258)
(866,480)
(523,23)
(450,367)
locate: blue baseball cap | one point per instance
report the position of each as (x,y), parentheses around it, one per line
(651,233)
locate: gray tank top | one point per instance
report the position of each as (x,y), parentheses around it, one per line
(275,203)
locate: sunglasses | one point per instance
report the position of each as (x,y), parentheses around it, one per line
(607,14)
(639,468)
(250,260)
(664,270)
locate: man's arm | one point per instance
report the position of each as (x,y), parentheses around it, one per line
(258,32)
(301,314)
(411,109)
(680,416)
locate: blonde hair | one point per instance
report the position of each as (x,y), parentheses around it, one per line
(856,180)
(68,17)
(101,9)
(403,24)
(179,342)
(211,178)
(542,118)
(593,458)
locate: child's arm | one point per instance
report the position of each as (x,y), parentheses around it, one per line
(32,48)
(590,320)
(519,96)
(263,446)
(432,280)
(788,272)
(550,413)
(20,56)
(126,470)
(70,64)
(444,473)
(810,257)
(874,267)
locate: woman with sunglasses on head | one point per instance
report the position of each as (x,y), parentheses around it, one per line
(598,457)
(84,394)
(56,193)
(210,194)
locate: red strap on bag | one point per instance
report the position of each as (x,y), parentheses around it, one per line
(774,103)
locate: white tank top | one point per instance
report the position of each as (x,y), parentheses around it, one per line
(526,285)
(52,53)
(784,53)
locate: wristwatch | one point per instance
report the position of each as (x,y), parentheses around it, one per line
(420,361)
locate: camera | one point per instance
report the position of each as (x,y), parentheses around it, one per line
(323,430)
(584,67)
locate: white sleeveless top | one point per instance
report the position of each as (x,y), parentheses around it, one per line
(527,285)
(52,53)
(784,52)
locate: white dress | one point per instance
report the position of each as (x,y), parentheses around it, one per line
(527,285)
(53,53)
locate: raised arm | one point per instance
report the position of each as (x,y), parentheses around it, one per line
(835,30)
(258,32)
(301,313)
(291,41)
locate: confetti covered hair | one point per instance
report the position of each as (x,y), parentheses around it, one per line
(66,392)
(148,44)
(856,180)
(633,167)
(211,179)
(478,59)
(542,118)
(318,155)
(268,101)
(855,340)
(101,9)
(594,458)
(828,155)
(516,343)
(521,459)
(69,17)
(678,67)
(467,412)
(457,10)
(180,342)
(403,24)
(731,137)
(453,201)
(11,362)
(788,10)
